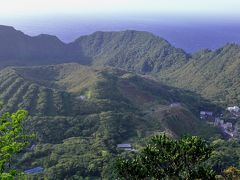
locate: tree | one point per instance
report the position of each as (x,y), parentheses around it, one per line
(231,173)
(166,158)
(12,140)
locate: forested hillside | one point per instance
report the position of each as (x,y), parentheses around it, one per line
(132,50)
(80,114)
(137,51)
(214,74)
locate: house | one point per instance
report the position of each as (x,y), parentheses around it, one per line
(124,146)
(218,122)
(205,114)
(233,109)
(35,170)
(208,113)
(176,104)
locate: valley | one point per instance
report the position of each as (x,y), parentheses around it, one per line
(95,108)
(109,88)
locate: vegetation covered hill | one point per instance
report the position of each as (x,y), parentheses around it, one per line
(213,74)
(80,114)
(132,50)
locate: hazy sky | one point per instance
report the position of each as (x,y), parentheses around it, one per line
(19,8)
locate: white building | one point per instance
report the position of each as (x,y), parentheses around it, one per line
(233,109)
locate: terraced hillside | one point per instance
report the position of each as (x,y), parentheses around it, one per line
(20,93)
(49,90)
(80,114)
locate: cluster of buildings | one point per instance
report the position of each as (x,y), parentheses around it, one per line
(206,114)
(228,128)
(235,111)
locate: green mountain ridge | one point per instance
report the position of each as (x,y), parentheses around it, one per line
(132,50)
(213,74)
(137,51)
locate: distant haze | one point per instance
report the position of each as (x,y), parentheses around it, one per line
(187,24)
(221,8)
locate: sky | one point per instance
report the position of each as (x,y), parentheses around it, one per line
(201,8)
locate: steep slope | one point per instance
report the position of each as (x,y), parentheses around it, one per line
(80,114)
(214,74)
(132,50)
(76,82)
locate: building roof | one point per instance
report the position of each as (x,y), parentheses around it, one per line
(124,146)
(82,97)
(206,112)
(34,170)
(176,104)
